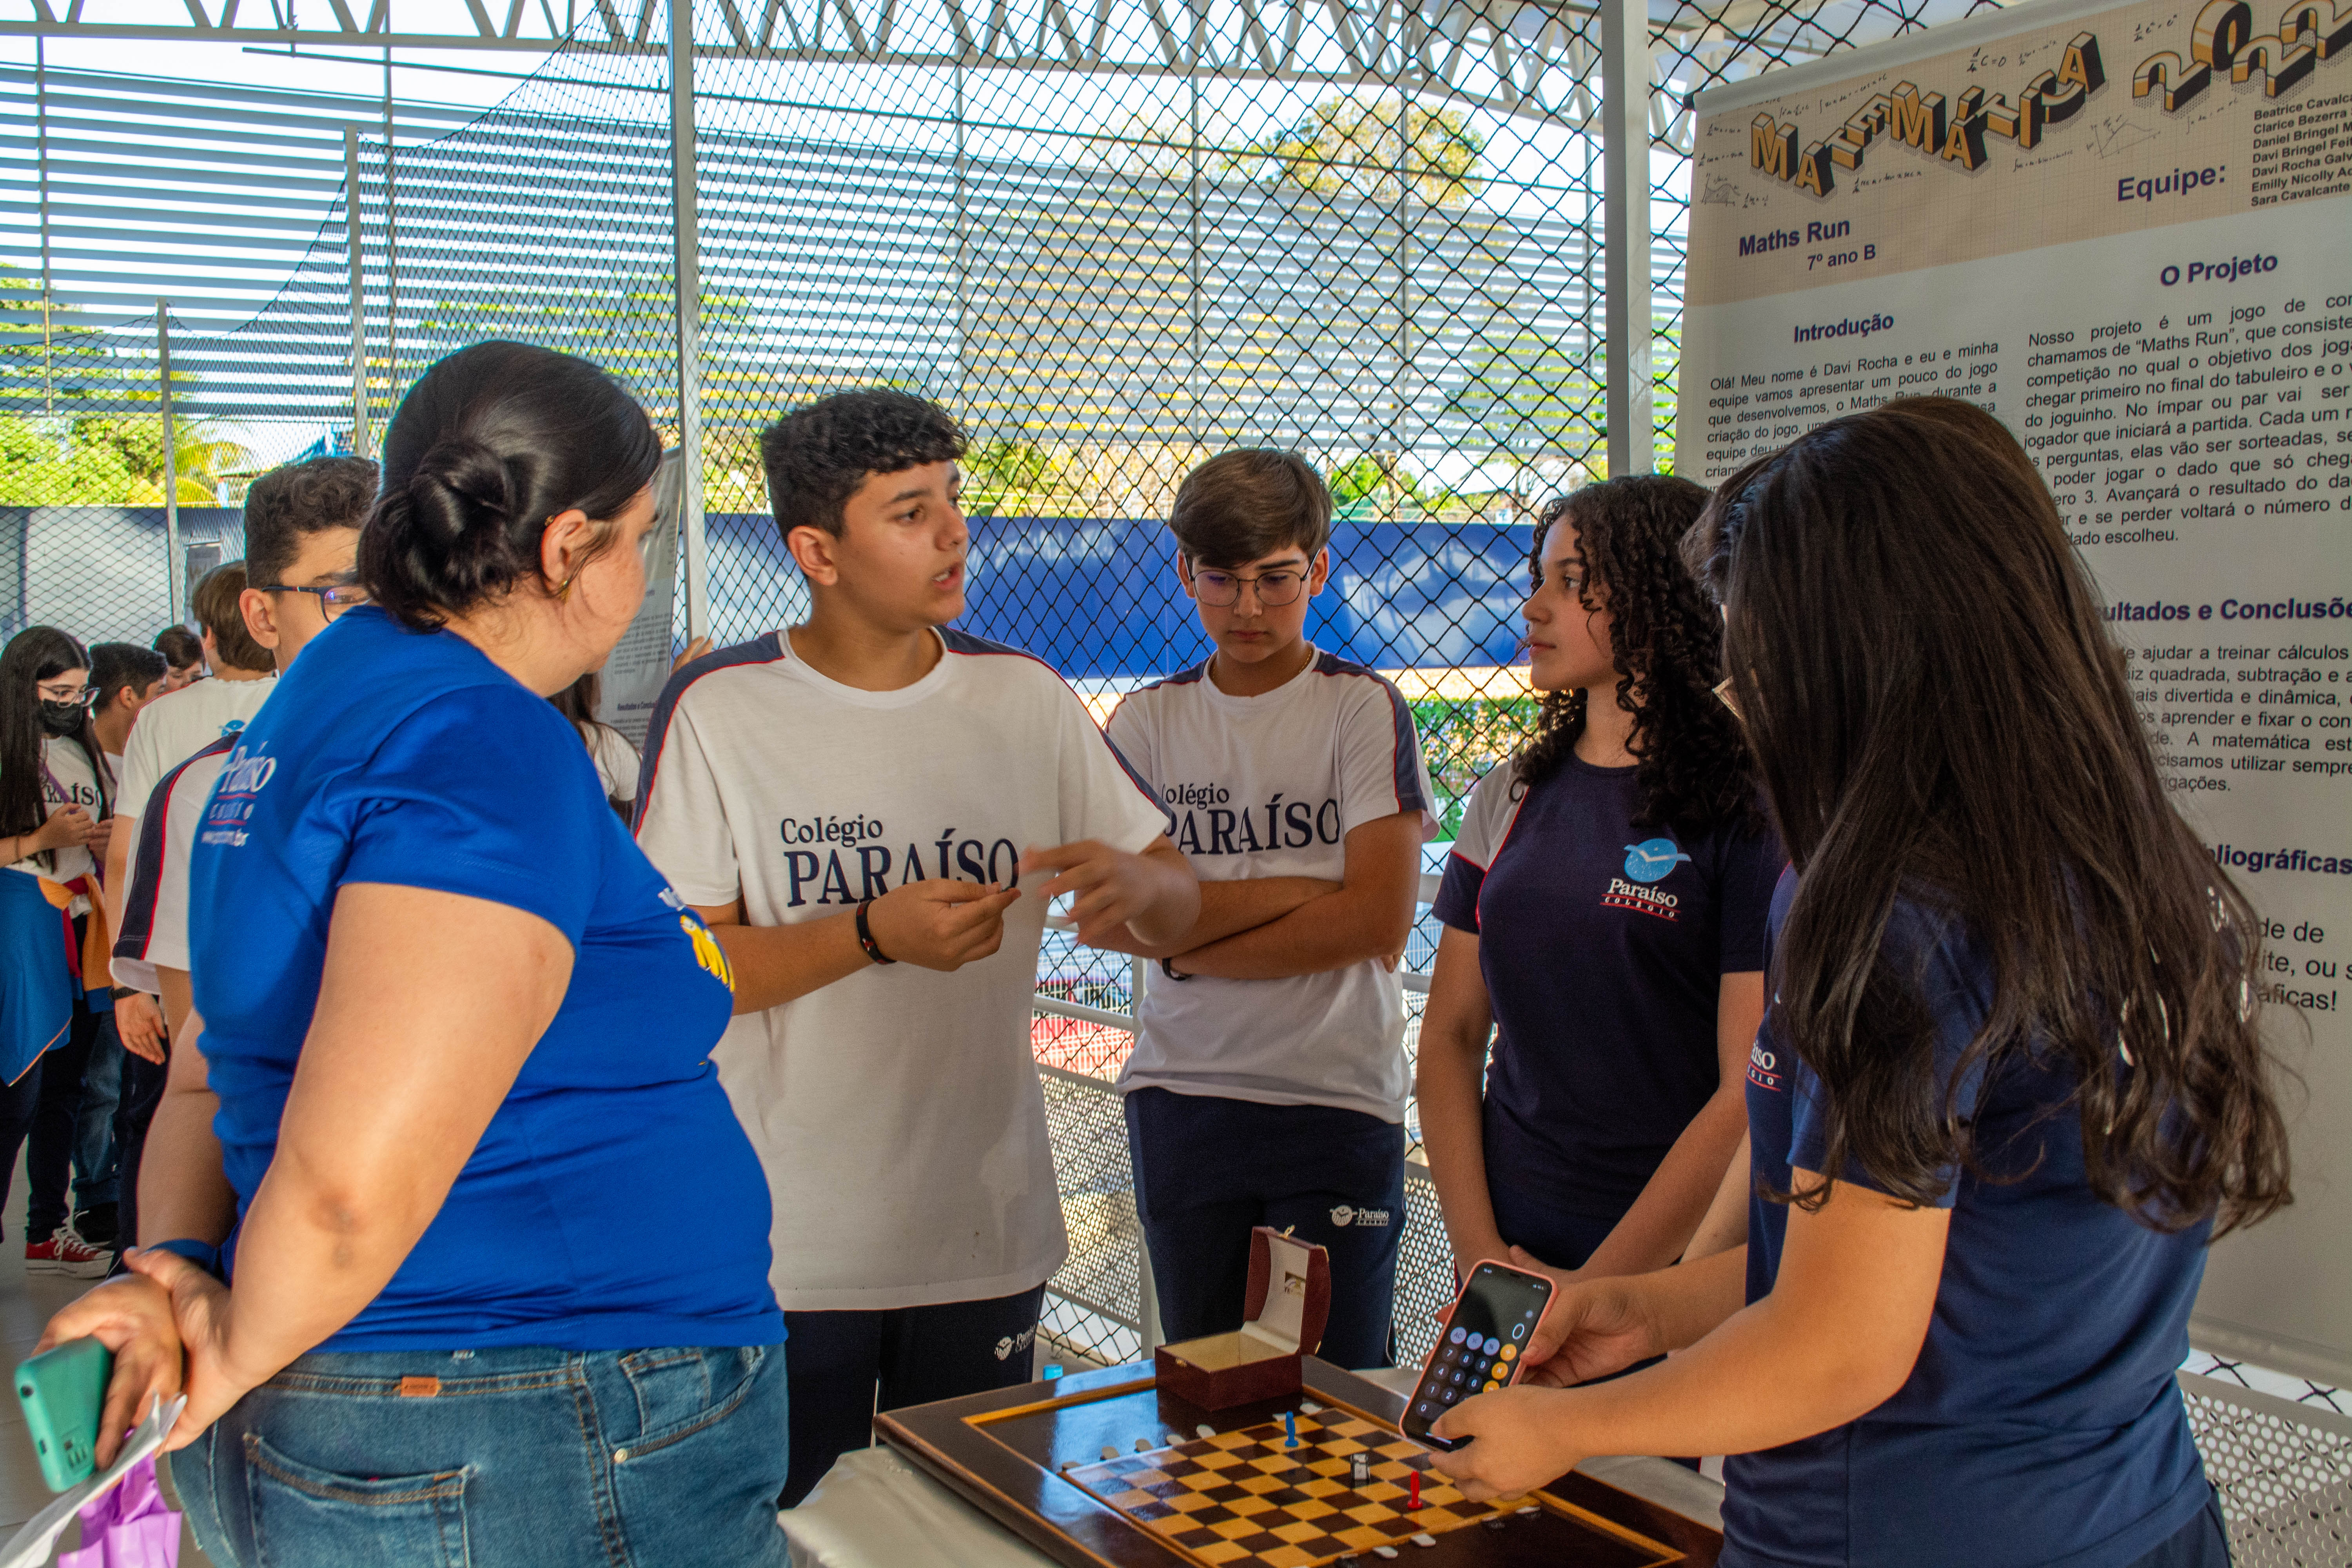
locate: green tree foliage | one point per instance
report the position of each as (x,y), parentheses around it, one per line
(53,452)
(1374,148)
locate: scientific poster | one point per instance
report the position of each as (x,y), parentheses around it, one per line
(632,679)
(2126,231)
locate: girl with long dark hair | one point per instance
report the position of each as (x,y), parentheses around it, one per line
(56,791)
(1604,910)
(448,1020)
(2012,1083)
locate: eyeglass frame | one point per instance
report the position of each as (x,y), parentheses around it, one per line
(330,607)
(86,697)
(1305,575)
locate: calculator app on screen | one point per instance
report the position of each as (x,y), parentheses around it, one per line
(1479,1350)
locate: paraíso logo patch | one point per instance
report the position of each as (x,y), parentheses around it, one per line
(1651,859)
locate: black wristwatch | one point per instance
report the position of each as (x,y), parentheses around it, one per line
(1168,968)
(122,991)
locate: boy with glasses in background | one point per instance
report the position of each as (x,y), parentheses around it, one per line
(1268,1081)
(301,534)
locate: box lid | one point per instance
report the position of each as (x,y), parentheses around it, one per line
(1289,1297)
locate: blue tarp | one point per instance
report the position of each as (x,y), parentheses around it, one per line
(1098,598)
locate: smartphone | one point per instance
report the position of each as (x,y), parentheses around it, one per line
(1480,1347)
(63,1390)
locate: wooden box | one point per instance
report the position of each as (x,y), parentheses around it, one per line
(1287,1303)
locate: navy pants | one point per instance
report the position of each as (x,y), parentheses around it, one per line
(1208,1170)
(844,1366)
(2199,1544)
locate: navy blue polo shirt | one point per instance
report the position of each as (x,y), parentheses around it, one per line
(1603,947)
(2042,1426)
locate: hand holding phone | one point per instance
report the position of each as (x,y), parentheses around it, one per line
(62,1391)
(1481,1346)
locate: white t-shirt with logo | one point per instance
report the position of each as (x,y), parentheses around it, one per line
(1271,786)
(896,1110)
(179,724)
(155,903)
(67,780)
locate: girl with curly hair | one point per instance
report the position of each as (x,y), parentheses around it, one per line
(2012,1082)
(1604,909)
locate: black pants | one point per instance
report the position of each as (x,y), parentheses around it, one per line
(1209,1170)
(143,1091)
(844,1366)
(49,1162)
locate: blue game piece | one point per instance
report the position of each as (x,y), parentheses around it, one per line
(1289,1430)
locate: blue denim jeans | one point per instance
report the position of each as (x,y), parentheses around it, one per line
(96,1165)
(499,1459)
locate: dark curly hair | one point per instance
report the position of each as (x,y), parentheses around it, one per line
(816,456)
(1692,769)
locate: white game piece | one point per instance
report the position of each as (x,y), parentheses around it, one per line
(1531,1508)
(1308,1407)
(1205,1430)
(1109,1452)
(1171,1440)
(1144,1445)
(1424,1540)
(1384,1552)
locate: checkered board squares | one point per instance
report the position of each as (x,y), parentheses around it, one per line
(1244,1499)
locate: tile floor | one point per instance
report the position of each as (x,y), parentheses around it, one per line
(26,1303)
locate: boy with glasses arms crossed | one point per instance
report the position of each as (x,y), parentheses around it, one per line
(1268,1081)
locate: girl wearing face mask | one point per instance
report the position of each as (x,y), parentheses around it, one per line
(57,792)
(1604,910)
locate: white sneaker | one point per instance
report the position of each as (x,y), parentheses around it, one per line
(68,1254)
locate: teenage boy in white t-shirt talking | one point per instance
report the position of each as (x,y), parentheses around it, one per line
(1268,1081)
(872,813)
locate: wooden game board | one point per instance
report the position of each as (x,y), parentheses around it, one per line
(1033,1459)
(1251,1500)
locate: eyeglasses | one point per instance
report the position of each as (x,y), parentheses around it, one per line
(79,695)
(1275,589)
(332,601)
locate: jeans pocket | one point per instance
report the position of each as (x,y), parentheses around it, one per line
(304,1516)
(681,1389)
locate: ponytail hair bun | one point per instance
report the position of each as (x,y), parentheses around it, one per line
(487,446)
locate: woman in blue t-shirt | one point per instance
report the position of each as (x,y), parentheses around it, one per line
(495,1247)
(2013,1081)
(1604,912)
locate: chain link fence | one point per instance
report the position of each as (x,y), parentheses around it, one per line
(1112,238)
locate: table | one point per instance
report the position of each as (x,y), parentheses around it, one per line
(875,1510)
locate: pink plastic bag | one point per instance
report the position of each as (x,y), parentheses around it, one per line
(126,1526)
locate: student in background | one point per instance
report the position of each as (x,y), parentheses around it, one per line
(301,534)
(169,730)
(55,790)
(124,678)
(2012,1082)
(1268,1081)
(450,1029)
(1604,909)
(183,654)
(859,806)
(617,761)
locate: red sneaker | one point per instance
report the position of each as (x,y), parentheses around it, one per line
(68,1254)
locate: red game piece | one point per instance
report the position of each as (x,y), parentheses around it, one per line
(1412,1494)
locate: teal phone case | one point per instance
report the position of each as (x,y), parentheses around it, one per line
(63,1390)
